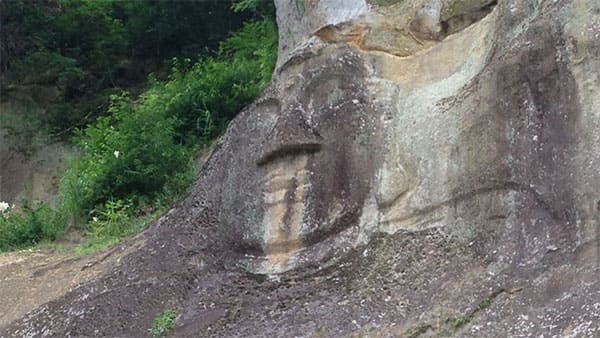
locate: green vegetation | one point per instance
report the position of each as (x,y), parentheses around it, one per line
(453,324)
(143,151)
(163,323)
(456,323)
(418,330)
(26,225)
(86,47)
(138,153)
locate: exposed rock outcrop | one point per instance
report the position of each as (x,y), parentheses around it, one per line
(415,168)
(31,163)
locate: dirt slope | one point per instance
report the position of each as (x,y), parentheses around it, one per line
(31,278)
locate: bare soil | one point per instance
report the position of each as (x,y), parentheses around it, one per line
(30,278)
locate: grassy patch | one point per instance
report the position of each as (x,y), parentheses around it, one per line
(93,245)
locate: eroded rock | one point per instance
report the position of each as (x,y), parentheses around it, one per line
(412,170)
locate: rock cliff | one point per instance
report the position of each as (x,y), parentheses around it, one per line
(415,168)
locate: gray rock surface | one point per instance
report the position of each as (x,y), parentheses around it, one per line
(405,174)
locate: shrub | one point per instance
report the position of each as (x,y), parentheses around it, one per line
(63,117)
(88,32)
(203,98)
(129,154)
(264,8)
(27,225)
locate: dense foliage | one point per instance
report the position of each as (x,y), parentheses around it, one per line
(86,47)
(26,226)
(144,147)
(139,154)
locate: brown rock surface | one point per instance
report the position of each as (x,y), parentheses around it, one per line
(31,162)
(395,179)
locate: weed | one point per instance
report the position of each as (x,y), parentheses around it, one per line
(163,323)
(457,322)
(112,220)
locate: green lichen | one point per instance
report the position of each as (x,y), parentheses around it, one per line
(385,3)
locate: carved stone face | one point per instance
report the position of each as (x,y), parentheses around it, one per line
(310,162)
(351,139)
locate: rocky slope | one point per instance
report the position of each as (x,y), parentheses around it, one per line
(415,168)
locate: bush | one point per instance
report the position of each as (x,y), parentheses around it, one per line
(88,32)
(27,225)
(129,154)
(144,149)
(264,8)
(64,117)
(140,156)
(20,31)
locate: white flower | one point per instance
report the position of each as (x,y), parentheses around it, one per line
(95,219)
(116,153)
(3,207)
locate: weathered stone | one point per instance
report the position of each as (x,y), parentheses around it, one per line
(404,174)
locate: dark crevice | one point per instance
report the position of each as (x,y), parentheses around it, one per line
(289,150)
(461,21)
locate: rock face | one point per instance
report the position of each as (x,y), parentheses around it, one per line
(31,164)
(415,168)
